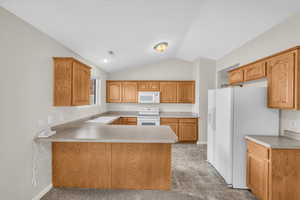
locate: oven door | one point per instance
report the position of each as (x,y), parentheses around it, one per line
(148,122)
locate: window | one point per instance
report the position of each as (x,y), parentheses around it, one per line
(95,91)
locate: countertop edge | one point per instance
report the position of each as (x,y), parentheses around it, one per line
(258,141)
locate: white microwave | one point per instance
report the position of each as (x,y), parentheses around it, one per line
(149,97)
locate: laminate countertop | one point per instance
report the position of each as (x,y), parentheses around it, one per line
(161,114)
(114,134)
(275,142)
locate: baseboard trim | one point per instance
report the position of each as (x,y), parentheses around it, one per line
(201,142)
(43,192)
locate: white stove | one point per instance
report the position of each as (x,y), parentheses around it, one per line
(148,117)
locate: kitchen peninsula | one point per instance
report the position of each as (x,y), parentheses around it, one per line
(91,155)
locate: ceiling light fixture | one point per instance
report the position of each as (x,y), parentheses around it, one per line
(110,57)
(161,47)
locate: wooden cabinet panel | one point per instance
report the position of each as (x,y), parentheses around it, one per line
(168,92)
(114,91)
(255,71)
(132,166)
(125,121)
(236,76)
(63,68)
(129,92)
(71,82)
(81,84)
(257,173)
(148,86)
(74,165)
(188,129)
(186,92)
(281,81)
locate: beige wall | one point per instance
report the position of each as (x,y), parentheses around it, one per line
(26,87)
(171,69)
(201,70)
(280,37)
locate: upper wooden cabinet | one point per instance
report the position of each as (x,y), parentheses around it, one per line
(168,91)
(114,91)
(186,92)
(71,82)
(148,86)
(255,71)
(281,81)
(129,92)
(236,76)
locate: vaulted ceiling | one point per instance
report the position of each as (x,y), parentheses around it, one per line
(130,28)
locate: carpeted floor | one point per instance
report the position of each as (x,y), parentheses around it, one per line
(193,179)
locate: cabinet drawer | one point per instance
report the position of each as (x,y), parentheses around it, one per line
(168,120)
(257,150)
(188,120)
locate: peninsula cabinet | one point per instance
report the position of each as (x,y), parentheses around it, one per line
(71,82)
(273,174)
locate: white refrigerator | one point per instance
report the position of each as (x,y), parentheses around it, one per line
(234,113)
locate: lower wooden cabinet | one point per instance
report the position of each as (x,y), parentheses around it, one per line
(125,121)
(186,129)
(273,174)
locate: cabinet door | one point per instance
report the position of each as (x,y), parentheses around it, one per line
(129,92)
(281,79)
(186,92)
(236,76)
(62,82)
(113,92)
(255,71)
(257,176)
(81,84)
(168,92)
(188,130)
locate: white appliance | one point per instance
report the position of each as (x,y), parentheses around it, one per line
(149,97)
(148,117)
(234,113)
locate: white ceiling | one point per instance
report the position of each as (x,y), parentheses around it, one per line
(193,28)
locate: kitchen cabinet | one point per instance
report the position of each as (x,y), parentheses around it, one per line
(71,82)
(186,92)
(148,86)
(114,91)
(186,129)
(281,81)
(258,170)
(129,92)
(255,71)
(236,76)
(273,174)
(168,91)
(125,121)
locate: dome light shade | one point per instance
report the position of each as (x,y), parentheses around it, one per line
(161,47)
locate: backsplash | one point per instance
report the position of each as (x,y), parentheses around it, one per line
(162,107)
(290,120)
